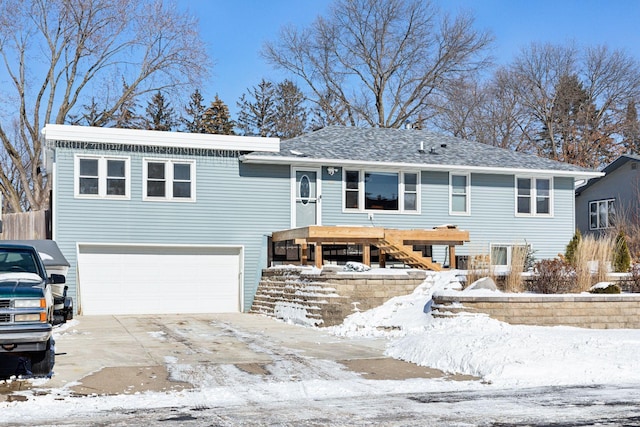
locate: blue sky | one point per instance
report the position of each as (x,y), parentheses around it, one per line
(236,30)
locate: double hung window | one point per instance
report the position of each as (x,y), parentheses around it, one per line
(102,177)
(533,196)
(459,194)
(169,180)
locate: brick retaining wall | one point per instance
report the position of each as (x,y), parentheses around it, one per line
(326,299)
(596,311)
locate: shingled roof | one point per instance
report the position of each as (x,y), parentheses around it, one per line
(352,145)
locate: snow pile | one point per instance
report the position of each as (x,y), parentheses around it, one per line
(400,315)
(501,354)
(356,266)
(508,355)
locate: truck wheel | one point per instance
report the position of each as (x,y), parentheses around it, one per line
(42,362)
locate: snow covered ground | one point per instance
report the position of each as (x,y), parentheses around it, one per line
(502,354)
(506,357)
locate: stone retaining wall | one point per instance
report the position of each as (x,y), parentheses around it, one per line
(303,295)
(596,311)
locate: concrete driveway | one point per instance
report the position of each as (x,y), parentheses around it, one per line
(129,354)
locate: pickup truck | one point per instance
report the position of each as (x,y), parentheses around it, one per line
(27,307)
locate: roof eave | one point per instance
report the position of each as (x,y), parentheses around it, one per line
(302,161)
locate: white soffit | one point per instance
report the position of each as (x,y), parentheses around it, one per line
(154,138)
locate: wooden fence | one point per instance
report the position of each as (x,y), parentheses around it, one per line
(26,226)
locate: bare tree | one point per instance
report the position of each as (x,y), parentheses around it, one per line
(559,101)
(459,107)
(59,55)
(380,62)
(489,112)
(502,120)
(607,81)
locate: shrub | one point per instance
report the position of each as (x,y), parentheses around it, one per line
(611,288)
(569,253)
(621,254)
(513,281)
(477,268)
(634,280)
(591,261)
(552,276)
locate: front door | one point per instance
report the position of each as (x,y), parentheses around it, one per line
(306,198)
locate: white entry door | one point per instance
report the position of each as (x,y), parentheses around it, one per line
(306,197)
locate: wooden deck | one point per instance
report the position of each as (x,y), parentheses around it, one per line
(391,242)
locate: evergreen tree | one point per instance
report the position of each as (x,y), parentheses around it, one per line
(621,255)
(291,114)
(570,252)
(160,114)
(570,132)
(195,110)
(257,114)
(631,129)
(216,118)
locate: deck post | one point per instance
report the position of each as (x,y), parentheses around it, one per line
(366,254)
(452,257)
(382,258)
(318,255)
(303,253)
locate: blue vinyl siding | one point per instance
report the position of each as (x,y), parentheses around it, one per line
(236,205)
(241,204)
(492,218)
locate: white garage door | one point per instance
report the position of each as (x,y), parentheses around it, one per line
(141,279)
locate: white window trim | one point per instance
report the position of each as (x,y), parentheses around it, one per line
(504,268)
(401,192)
(168,189)
(589,213)
(102,177)
(533,196)
(467,211)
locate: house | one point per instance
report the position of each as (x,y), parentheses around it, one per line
(617,193)
(160,222)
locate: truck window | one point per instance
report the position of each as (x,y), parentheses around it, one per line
(17,262)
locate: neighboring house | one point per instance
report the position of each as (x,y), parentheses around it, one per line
(160,222)
(616,194)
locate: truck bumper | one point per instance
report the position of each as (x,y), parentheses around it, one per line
(21,338)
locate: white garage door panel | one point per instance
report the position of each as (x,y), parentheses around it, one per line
(156,280)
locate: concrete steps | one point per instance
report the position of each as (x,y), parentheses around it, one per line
(305,296)
(286,295)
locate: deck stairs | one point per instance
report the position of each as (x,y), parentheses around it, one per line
(395,247)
